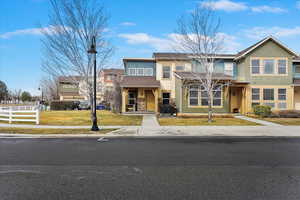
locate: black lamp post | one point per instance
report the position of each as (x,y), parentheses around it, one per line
(93,52)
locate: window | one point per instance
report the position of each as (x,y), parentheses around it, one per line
(131,71)
(166,71)
(131,98)
(282,94)
(272,105)
(148,72)
(179,68)
(166,98)
(282,67)
(269,66)
(268,94)
(255,66)
(193,95)
(282,105)
(217,95)
(140,71)
(255,94)
(297,69)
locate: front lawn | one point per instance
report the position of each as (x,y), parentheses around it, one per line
(284,121)
(52,131)
(82,118)
(184,121)
(77,118)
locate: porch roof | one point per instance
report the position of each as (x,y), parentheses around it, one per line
(197,76)
(140,82)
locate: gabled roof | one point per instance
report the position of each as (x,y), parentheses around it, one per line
(246,51)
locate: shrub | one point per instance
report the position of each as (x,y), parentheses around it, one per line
(64,105)
(170,109)
(262,111)
(287,114)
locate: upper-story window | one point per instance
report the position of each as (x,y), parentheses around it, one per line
(269,66)
(140,72)
(166,71)
(179,68)
(255,66)
(282,66)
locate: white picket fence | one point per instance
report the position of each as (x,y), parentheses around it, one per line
(20,114)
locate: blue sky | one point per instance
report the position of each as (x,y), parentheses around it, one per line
(139,27)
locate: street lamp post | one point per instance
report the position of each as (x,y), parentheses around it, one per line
(93,52)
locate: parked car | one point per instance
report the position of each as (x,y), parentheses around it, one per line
(84,105)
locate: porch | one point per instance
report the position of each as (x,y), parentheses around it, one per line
(297,96)
(140,95)
(239,94)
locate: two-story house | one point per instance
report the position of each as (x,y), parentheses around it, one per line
(72,88)
(266,73)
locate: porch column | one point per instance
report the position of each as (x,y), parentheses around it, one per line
(124,95)
(156,94)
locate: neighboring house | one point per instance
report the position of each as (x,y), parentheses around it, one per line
(266,73)
(72,88)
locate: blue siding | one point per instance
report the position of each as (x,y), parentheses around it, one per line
(218,67)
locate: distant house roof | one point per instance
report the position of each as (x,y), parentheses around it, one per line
(139,81)
(139,59)
(261,42)
(186,56)
(197,76)
(69,79)
(113,71)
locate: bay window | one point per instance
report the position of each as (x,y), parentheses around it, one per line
(193,94)
(198,96)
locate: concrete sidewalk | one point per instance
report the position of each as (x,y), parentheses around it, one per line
(258,121)
(185,131)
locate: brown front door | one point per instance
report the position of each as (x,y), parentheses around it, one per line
(236,99)
(150,101)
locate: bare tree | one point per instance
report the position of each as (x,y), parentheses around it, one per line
(198,36)
(73,24)
(50,88)
(16,95)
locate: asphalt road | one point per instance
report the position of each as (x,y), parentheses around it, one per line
(157,168)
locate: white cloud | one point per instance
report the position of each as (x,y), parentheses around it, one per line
(168,43)
(269,9)
(159,44)
(29,31)
(128,24)
(225,5)
(298,4)
(231,6)
(260,32)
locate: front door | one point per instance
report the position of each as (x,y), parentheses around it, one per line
(236,99)
(150,101)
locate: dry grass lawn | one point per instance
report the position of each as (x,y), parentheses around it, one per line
(203,122)
(81,118)
(285,121)
(52,131)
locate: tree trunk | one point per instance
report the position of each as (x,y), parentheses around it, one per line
(210,107)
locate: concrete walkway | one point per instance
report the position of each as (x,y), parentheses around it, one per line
(150,121)
(258,121)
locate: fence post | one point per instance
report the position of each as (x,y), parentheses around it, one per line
(10,114)
(37,115)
